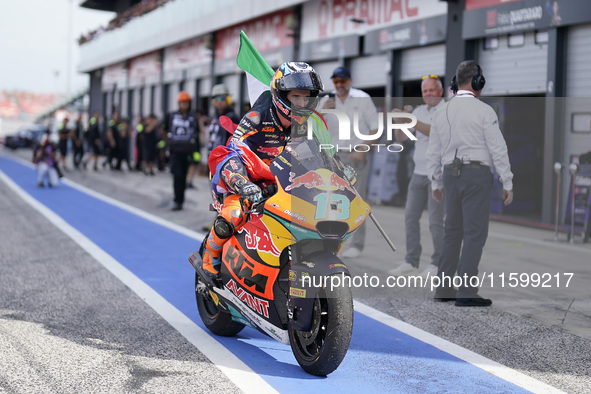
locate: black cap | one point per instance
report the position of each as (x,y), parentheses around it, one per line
(342,72)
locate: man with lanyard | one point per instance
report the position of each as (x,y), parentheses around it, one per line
(352,101)
(465,141)
(241,168)
(182,134)
(419,189)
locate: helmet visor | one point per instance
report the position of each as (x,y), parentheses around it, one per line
(301,81)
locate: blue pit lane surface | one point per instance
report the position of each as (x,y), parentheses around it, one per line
(380,358)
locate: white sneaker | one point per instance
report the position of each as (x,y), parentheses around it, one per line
(351,253)
(404,269)
(431,270)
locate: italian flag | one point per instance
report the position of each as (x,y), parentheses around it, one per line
(258,72)
(259,75)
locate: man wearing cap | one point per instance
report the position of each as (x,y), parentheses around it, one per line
(222,101)
(181,131)
(350,101)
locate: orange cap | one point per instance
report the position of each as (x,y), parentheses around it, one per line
(183,96)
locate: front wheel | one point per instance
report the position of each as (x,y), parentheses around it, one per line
(218,322)
(321,350)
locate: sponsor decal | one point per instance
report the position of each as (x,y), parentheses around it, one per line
(360,218)
(254,117)
(292,275)
(331,266)
(324,180)
(258,236)
(214,297)
(256,304)
(268,129)
(270,150)
(277,165)
(297,292)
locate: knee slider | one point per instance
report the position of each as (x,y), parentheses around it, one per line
(223,228)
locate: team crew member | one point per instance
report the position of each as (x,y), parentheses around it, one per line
(112,142)
(222,101)
(419,194)
(465,141)
(93,138)
(181,131)
(63,135)
(240,167)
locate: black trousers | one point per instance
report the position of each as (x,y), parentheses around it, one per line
(467,206)
(179,166)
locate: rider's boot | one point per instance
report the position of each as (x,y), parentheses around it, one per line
(212,254)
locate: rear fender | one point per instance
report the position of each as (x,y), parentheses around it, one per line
(306,280)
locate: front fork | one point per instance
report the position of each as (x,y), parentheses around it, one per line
(307,277)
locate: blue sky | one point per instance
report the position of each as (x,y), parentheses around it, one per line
(34,44)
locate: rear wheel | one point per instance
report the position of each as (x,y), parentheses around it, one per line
(321,350)
(218,322)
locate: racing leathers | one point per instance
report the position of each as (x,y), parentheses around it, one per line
(240,169)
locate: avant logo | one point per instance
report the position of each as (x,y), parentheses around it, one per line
(345,131)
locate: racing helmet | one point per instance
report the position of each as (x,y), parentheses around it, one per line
(295,76)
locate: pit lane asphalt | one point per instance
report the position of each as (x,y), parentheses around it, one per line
(532,333)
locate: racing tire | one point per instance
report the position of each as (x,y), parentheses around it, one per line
(218,322)
(322,349)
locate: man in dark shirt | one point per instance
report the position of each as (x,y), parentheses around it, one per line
(181,131)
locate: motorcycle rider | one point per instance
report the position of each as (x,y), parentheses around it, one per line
(242,167)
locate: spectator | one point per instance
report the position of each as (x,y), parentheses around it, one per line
(465,141)
(419,189)
(139,136)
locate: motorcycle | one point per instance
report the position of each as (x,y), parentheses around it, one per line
(281,274)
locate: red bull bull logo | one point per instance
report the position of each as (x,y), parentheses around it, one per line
(309,180)
(340,183)
(258,236)
(270,151)
(322,179)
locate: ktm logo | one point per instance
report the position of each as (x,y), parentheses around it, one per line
(268,129)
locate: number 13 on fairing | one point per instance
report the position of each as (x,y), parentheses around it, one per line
(336,206)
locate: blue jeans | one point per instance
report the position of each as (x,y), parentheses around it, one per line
(418,198)
(467,204)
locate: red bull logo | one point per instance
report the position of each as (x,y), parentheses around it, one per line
(322,179)
(258,236)
(340,183)
(271,151)
(309,180)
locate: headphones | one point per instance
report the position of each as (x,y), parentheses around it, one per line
(478,81)
(228,99)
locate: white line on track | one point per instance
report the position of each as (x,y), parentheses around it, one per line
(490,366)
(236,371)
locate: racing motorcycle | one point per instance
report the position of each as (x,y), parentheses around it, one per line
(281,274)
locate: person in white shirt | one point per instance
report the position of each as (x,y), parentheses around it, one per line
(419,189)
(350,101)
(465,141)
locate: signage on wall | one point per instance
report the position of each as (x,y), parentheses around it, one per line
(269,34)
(417,33)
(523,15)
(188,54)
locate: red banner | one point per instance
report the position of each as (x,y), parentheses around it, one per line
(472,4)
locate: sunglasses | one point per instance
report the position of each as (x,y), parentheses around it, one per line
(432,76)
(219,99)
